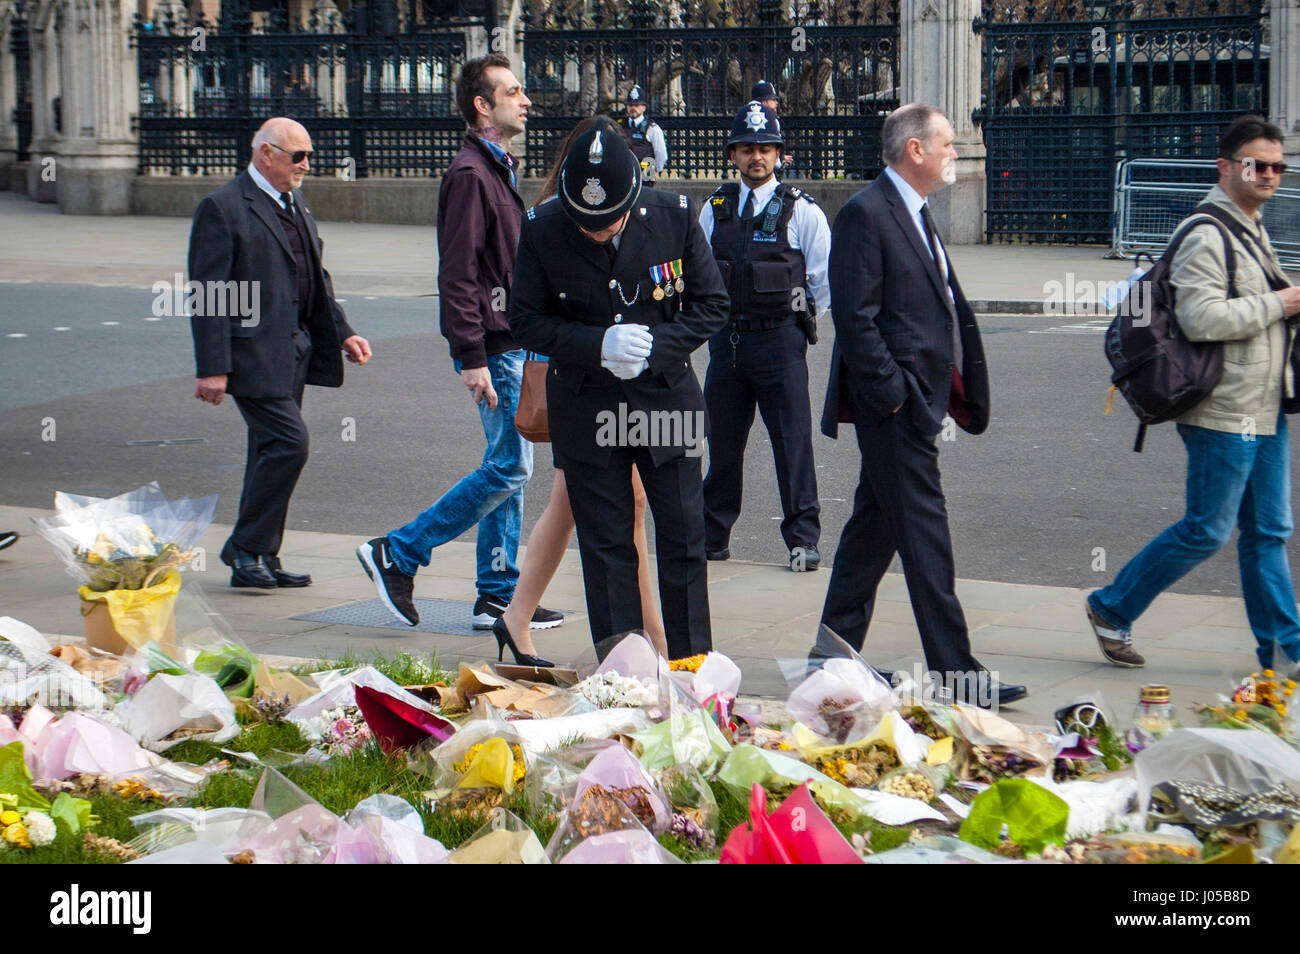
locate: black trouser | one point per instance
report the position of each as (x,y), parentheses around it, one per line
(601,500)
(277,453)
(899,508)
(768,369)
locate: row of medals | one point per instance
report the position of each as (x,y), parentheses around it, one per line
(666,289)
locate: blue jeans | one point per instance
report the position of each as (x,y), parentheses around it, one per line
(1229,480)
(492,496)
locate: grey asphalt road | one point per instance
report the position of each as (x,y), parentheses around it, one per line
(1052,494)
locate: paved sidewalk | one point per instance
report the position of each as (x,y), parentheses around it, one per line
(1029,634)
(38,244)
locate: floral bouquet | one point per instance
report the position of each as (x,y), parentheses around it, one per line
(130,542)
(127,552)
(1261,701)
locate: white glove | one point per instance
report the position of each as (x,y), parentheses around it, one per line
(625,370)
(626,343)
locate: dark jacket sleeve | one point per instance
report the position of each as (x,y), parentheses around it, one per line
(857,280)
(340,318)
(461,234)
(535,322)
(705,304)
(211,259)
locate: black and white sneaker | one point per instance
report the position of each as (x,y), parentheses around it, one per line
(394,586)
(487,610)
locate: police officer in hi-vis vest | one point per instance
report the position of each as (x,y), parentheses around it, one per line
(647,138)
(617,286)
(771,242)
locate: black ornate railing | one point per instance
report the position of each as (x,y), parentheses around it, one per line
(18,46)
(1072,88)
(375,86)
(835,65)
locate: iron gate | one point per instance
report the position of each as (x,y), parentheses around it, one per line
(834,64)
(1070,89)
(22,114)
(376,86)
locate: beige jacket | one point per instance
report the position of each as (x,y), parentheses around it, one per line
(1257,341)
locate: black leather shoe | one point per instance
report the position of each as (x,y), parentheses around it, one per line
(988,692)
(246,568)
(282,576)
(723,554)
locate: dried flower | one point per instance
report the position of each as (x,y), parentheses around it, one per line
(686,826)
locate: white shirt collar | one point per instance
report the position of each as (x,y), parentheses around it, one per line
(761,195)
(911,198)
(264,184)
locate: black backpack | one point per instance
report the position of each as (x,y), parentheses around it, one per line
(1159,371)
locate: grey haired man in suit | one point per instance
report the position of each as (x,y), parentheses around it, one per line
(907,355)
(254,243)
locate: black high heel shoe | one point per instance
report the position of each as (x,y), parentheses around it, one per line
(504,639)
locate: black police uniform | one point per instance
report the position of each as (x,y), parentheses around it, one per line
(565,293)
(760,359)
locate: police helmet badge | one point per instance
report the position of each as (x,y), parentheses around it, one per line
(756,120)
(593,193)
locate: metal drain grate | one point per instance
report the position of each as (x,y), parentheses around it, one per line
(451,617)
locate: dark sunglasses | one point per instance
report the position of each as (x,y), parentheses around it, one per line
(295,157)
(1277,167)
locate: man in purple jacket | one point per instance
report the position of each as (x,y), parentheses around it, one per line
(479,216)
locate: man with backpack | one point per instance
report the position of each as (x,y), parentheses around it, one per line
(1228,288)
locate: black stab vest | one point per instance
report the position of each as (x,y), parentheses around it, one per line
(758,264)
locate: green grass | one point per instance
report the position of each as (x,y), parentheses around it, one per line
(403,668)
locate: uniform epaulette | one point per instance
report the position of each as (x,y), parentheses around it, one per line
(532,213)
(683,201)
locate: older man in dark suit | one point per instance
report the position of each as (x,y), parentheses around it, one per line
(265,323)
(907,354)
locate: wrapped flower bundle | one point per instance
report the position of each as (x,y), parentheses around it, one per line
(130,542)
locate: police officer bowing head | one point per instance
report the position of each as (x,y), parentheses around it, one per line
(616,284)
(600,180)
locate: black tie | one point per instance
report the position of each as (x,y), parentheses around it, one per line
(939,263)
(287,199)
(748,214)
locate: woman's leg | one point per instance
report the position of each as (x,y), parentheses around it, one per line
(546,546)
(650,617)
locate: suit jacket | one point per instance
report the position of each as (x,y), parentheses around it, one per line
(565,295)
(236,237)
(893,324)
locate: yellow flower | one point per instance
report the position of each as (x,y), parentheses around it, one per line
(10,818)
(1281,709)
(1287,692)
(1268,674)
(1240,715)
(688,664)
(17,835)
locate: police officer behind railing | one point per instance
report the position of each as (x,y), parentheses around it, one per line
(648,143)
(765,93)
(772,243)
(616,284)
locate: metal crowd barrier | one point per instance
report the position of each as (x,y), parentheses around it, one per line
(1153,195)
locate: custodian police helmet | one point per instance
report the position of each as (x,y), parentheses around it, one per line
(755,123)
(635,97)
(600,179)
(763,90)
